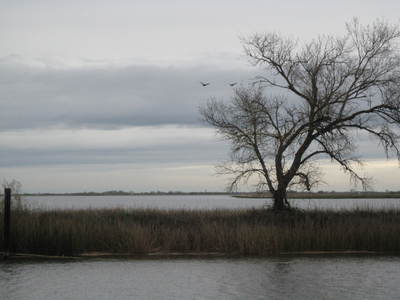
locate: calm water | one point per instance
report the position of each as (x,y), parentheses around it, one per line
(276,278)
(196,202)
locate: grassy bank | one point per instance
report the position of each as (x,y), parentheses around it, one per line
(238,232)
(327,195)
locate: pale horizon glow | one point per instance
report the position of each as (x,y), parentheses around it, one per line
(173,177)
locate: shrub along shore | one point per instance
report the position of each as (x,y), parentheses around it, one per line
(257,232)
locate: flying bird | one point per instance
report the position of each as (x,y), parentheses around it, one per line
(233,84)
(204,83)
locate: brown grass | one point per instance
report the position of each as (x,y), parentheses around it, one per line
(238,232)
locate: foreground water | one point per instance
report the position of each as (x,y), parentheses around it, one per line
(274,278)
(196,202)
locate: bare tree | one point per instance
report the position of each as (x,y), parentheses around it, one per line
(334,87)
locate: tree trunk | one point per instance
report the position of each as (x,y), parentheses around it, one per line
(280,200)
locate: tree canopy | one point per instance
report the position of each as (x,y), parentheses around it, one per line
(332,88)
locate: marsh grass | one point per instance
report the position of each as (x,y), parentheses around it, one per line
(237,232)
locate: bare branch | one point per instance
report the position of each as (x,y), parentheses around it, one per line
(339,85)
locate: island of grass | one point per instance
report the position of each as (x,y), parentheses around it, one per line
(326,195)
(239,232)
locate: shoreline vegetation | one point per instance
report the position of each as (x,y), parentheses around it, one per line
(327,195)
(220,232)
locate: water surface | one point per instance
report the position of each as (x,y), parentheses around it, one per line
(275,278)
(196,202)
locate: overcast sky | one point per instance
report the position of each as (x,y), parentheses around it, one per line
(99,95)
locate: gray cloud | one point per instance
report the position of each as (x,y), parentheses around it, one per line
(149,156)
(108,97)
(138,145)
(36,98)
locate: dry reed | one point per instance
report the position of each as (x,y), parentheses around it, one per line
(237,232)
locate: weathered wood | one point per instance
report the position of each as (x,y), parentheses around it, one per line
(7,220)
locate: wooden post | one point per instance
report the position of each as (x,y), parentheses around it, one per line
(7,220)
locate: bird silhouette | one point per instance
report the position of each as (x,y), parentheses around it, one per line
(233,84)
(204,83)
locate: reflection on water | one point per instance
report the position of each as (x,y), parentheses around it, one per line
(196,202)
(275,278)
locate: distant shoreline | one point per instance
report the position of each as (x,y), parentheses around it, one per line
(291,195)
(112,193)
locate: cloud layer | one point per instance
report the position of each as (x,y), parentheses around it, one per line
(108,97)
(116,124)
(148,146)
